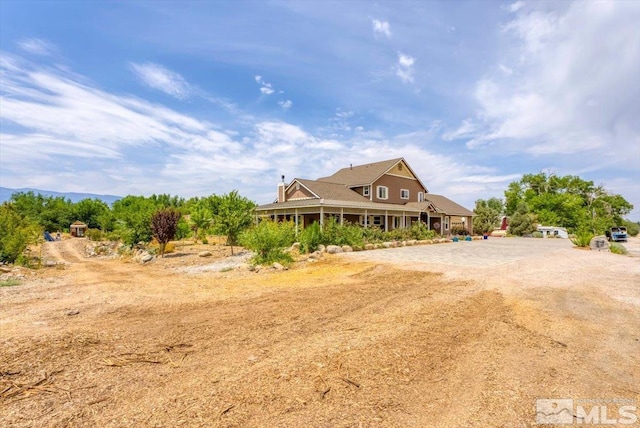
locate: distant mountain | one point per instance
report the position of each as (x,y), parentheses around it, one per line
(5,195)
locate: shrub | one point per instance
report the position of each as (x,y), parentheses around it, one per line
(420,231)
(616,248)
(94,235)
(268,239)
(582,238)
(310,238)
(334,233)
(205,241)
(373,235)
(537,234)
(459,230)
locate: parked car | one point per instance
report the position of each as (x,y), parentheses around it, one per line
(617,234)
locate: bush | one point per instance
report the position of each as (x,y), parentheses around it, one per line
(16,234)
(632,228)
(459,230)
(420,231)
(205,241)
(310,238)
(616,248)
(268,239)
(94,235)
(537,234)
(582,239)
(334,233)
(373,235)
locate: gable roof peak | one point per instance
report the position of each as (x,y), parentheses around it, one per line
(362,174)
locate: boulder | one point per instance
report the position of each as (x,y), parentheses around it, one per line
(369,246)
(411,242)
(147,258)
(347,249)
(387,244)
(599,243)
(278,266)
(321,248)
(204,254)
(334,249)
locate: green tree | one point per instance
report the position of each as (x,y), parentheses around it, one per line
(133,218)
(567,201)
(487,215)
(17,232)
(90,212)
(234,214)
(164,223)
(201,220)
(522,222)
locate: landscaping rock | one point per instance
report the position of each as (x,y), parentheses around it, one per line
(278,266)
(347,249)
(387,244)
(204,254)
(369,246)
(599,243)
(295,246)
(147,258)
(411,242)
(315,255)
(322,248)
(334,249)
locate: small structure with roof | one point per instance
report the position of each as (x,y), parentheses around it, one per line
(78,229)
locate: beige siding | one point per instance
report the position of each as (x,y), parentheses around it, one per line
(401,169)
(301,193)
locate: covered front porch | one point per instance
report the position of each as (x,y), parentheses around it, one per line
(385,218)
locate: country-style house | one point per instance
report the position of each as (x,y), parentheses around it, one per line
(386,194)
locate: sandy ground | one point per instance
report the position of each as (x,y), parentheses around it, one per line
(465,334)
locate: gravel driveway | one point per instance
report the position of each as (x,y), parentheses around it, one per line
(484,253)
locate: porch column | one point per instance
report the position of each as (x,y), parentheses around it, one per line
(321,216)
(386,220)
(341,216)
(404,220)
(470,225)
(296,216)
(366,218)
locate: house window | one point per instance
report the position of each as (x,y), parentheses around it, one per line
(446,223)
(377,220)
(404,194)
(383,192)
(366,190)
(420,197)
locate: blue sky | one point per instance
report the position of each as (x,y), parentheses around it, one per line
(195,98)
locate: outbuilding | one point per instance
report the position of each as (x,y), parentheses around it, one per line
(78,229)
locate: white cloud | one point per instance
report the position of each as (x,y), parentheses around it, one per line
(574,87)
(37,46)
(286,105)
(516,6)
(381,28)
(404,69)
(158,77)
(265,87)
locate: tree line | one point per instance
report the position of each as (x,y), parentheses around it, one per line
(132,219)
(564,201)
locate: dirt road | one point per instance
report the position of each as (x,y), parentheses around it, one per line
(338,343)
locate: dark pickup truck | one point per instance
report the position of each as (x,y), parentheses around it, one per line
(617,234)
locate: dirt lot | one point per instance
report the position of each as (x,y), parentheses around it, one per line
(350,341)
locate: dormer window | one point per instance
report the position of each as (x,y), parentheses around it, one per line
(404,194)
(383,192)
(366,190)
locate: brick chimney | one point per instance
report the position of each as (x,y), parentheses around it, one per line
(281,194)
